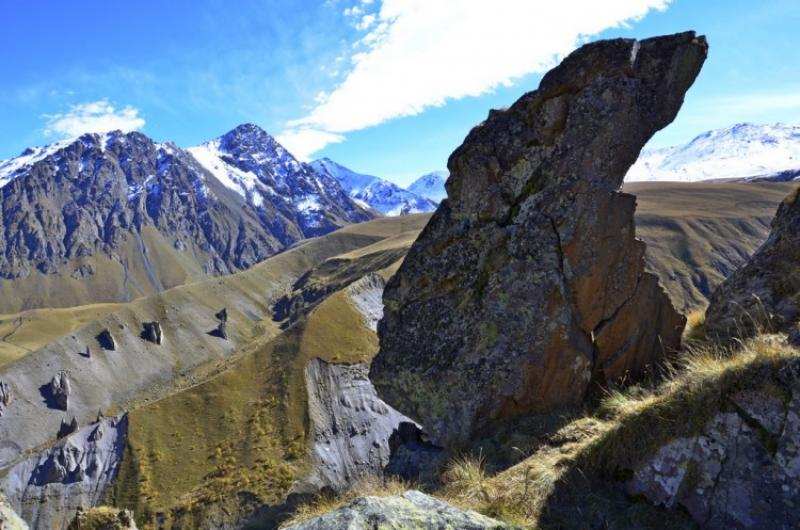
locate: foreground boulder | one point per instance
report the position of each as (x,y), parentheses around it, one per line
(527,288)
(412,509)
(763,295)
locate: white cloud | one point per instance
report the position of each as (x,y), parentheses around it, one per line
(95,116)
(302,142)
(423,53)
(365,22)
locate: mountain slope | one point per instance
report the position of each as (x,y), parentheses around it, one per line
(698,233)
(142,376)
(110,217)
(377,193)
(430,186)
(741,151)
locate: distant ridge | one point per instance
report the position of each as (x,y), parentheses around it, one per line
(374,192)
(744,150)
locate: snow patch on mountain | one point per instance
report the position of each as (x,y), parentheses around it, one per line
(210,157)
(13,167)
(382,195)
(431,186)
(744,150)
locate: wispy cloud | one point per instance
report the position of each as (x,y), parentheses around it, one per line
(95,116)
(421,53)
(302,142)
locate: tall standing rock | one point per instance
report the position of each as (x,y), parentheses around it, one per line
(765,293)
(59,390)
(528,284)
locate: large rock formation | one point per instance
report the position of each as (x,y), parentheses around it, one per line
(47,488)
(412,509)
(764,295)
(528,285)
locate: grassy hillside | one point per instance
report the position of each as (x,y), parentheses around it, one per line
(139,372)
(698,233)
(237,440)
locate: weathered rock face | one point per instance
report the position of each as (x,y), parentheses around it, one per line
(5,397)
(59,390)
(351,426)
(412,509)
(742,471)
(47,488)
(528,284)
(367,295)
(763,295)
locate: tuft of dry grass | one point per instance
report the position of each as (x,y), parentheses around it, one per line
(695,330)
(368,487)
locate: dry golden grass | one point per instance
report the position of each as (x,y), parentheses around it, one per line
(371,487)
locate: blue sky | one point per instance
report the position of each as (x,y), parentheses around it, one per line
(387,87)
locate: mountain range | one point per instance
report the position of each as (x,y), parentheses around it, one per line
(110,217)
(388,198)
(741,151)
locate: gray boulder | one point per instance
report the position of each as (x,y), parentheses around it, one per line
(67,428)
(106,340)
(527,288)
(411,510)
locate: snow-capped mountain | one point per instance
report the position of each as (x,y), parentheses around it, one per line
(148,215)
(382,195)
(431,186)
(252,163)
(744,150)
